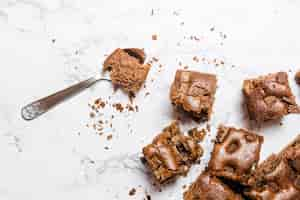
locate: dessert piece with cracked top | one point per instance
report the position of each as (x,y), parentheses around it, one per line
(171,154)
(269,97)
(208,187)
(236,152)
(194,93)
(127,68)
(278,177)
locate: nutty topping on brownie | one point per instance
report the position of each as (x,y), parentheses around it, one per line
(269,97)
(171,154)
(194,93)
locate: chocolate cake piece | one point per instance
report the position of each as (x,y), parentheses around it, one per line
(127,68)
(208,187)
(194,93)
(171,154)
(236,152)
(278,177)
(269,97)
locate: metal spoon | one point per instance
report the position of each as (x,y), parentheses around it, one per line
(39,107)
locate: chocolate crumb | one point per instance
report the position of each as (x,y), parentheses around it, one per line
(118,107)
(92,115)
(196,59)
(98,103)
(154,37)
(208,127)
(129,107)
(109,137)
(132,192)
(152,12)
(155,59)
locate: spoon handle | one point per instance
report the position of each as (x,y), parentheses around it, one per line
(39,107)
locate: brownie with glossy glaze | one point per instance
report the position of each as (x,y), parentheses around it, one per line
(236,152)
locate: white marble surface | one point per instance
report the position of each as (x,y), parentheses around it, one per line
(49,159)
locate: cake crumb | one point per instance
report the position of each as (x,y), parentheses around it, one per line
(280,123)
(118,107)
(154,37)
(208,127)
(99,103)
(129,107)
(92,115)
(109,137)
(196,59)
(132,192)
(155,59)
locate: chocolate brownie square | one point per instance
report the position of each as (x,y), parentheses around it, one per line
(127,68)
(194,93)
(171,154)
(278,177)
(208,187)
(236,152)
(269,97)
